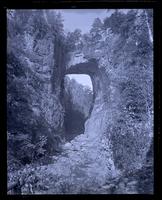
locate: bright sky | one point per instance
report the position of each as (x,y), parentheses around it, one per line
(82,19)
(82,79)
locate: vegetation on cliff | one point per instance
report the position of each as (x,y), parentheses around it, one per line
(42,104)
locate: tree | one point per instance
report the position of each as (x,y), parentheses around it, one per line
(78,101)
(80,96)
(73,39)
(96,26)
(54,21)
(28,108)
(96,30)
(114,22)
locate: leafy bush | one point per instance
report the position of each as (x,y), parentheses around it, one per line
(130,142)
(23,149)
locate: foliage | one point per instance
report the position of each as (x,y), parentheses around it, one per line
(22,148)
(78,104)
(32,108)
(96,31)
(74,40)
(125,52)
(81,97)
(129,143)
(122,44)
(55,20)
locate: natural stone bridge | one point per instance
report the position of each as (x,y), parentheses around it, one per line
(90,152)
(100,81)
(86,162)
(87,159)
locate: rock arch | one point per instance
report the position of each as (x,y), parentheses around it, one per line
(100,83)
(92,149)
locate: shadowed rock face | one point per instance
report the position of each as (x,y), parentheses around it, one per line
(100,83)
(34,71)
(89,67)
(98,147)
(93,145)
(86,162)
(35,74)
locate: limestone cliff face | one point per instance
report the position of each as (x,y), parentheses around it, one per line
(95,143)
(34,77)
(122,85)
(118,131)
(122,81)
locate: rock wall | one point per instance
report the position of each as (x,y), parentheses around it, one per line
(97,143)
(117,133)
(129,140)
(34,74)
(123,85)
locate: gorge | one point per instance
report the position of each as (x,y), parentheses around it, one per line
(111,153)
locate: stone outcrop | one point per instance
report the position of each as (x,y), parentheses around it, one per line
(87,161)
(35,107)
(34,75)
(90,156)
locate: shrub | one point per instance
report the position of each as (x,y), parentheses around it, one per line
(130,143)
(21,147)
